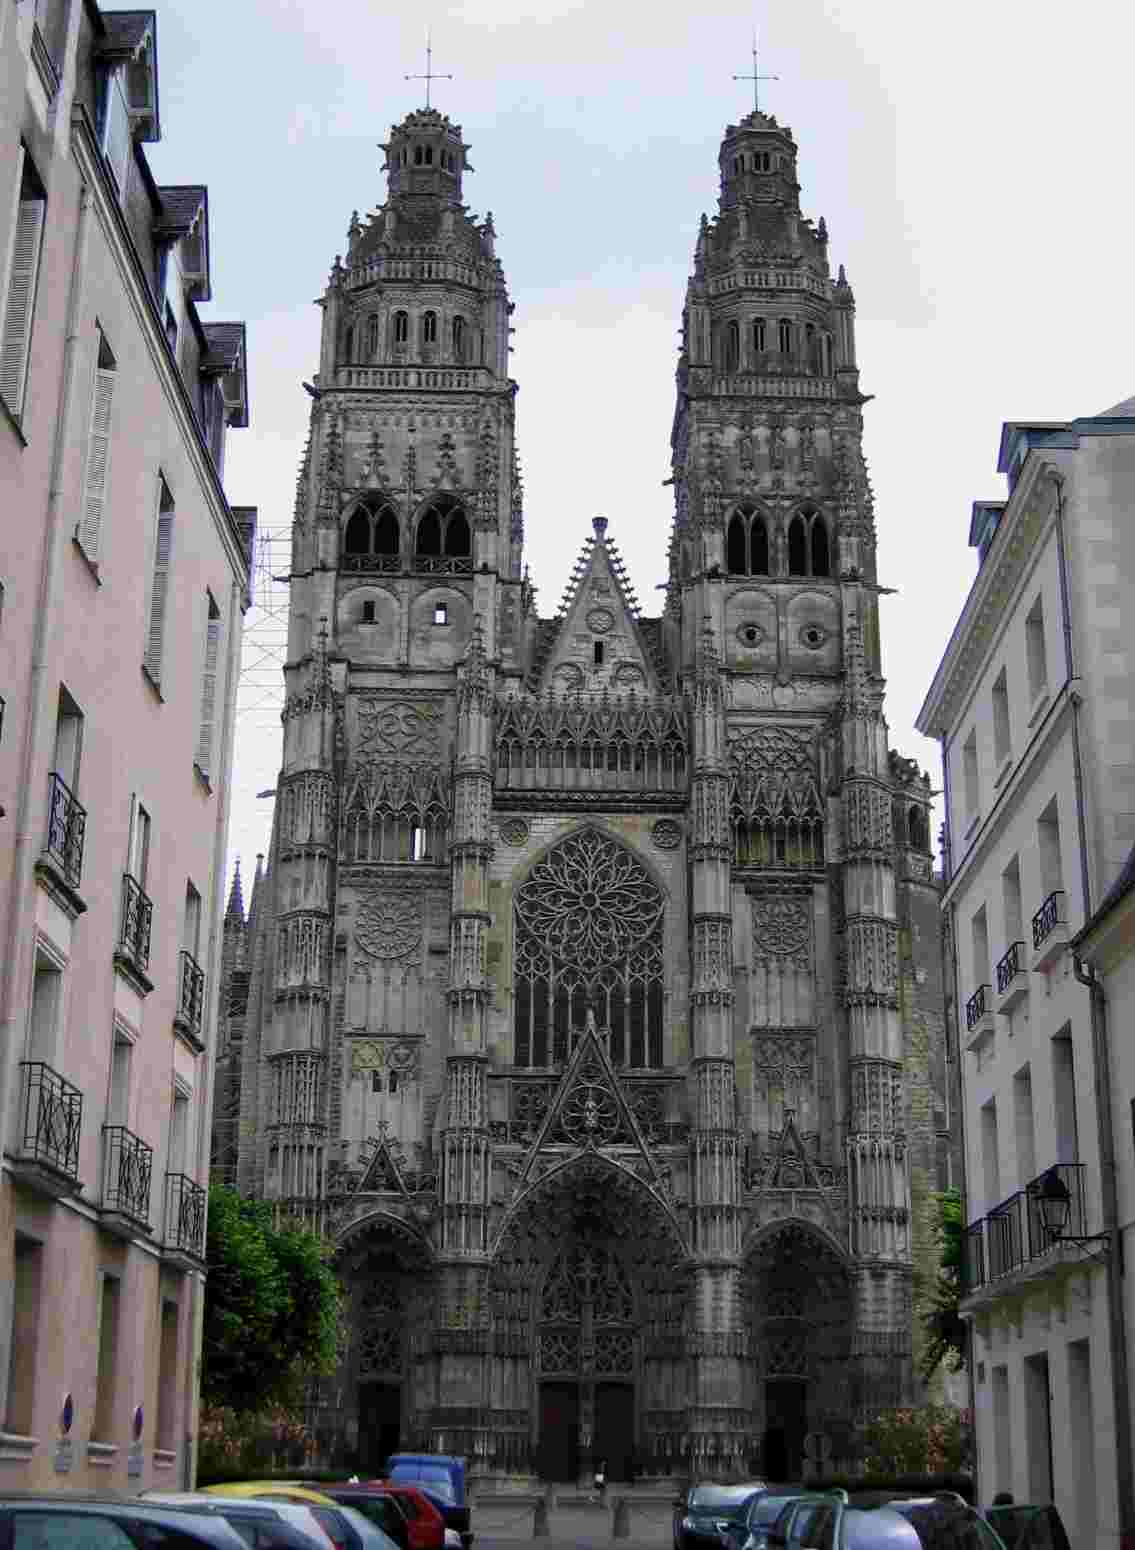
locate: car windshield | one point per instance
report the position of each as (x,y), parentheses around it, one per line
(438,1480)
(942,1525)
(765,1509)
(721,1499)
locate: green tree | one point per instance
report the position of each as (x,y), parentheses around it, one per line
(945,1328)
(272,1303)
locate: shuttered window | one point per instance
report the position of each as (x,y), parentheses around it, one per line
(205,736)
(19,298)
(88,530)
(163,548)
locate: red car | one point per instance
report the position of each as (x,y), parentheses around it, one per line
(423,1520)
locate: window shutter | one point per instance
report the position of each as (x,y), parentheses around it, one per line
(162,550)
(117,137)
(209,697)
(98,456)
(17,336)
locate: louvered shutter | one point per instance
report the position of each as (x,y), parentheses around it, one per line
(158,597)
(209,697)
(15,346)
(98,457)
(117,138)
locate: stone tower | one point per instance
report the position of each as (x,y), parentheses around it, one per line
(592,1001)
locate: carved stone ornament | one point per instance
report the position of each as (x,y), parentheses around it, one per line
(600,620)
(389,925)
(628,675)
(667,834)
(398,727)
(569,675)
(384,1055)
(514,831)
(782,926)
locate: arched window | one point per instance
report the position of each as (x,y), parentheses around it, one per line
(443,537)
(429,327)
(759,336)
(459,339)
(784,336)
(429,155)
(746,545)
(401,327)
(372,335)
(918,830)
(348,346)
(371,538)
(732,346)
(417,156)
(368,611)
(826,355)
(589,927)
(821,557)
(798,547)
(810,345)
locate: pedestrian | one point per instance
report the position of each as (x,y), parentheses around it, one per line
(601,1478)
(1003,1499)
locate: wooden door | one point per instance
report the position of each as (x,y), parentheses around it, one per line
(559,1431)
(614,1429)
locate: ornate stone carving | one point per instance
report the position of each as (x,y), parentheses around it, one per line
(514,831)
(389,925)
(667,834)
(589,902)
(384,1055)
(782,926)
(402,728)
(600,620)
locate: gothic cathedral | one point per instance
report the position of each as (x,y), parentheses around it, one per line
(591,1000)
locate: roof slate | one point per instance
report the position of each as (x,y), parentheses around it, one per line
(181,205)
(226,341)
(125,30)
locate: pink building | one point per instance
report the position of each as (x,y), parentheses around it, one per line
(124,578)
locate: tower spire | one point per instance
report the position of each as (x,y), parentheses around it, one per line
(755,77)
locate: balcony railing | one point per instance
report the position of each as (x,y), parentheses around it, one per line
(444,564)
(1014,1234)
(137,918)
(1048,917)
(185,1215)
(127,1168)
(191,995)
(385,564)
(66,826)
(1009,966)
(51,1118)
(976,1007)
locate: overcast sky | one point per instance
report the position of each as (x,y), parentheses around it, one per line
(970,162)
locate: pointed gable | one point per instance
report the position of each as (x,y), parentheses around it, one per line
(383,1174)
(790,1166)
(598,645)
(590,1110)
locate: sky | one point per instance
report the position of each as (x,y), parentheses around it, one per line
(969,162)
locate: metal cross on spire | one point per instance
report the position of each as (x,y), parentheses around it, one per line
(429,71)
(755,78)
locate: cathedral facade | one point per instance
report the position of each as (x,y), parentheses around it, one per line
(590,1000)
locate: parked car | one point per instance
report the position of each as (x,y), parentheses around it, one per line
(808,1520)
(1026,1527)
(344,1527)
(263,1525)
(944,1522)
(442,1477)
(376,1503)
(708,1515)
(764,1508)
(64,1522)
(424,1519)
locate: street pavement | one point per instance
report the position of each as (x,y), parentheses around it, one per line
(573,1526)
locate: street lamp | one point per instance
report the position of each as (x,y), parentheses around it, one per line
(1055,1205)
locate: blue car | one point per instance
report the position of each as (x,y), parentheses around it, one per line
(441,1477)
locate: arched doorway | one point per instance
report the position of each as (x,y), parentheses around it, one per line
(798,1308)
(387,1272)
(589,1294)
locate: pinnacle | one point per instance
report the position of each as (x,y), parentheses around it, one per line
(235,910)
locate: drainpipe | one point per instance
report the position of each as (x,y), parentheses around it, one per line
(1101,1073)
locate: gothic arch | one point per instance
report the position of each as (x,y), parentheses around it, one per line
(657,1219)
(442,533)
(588,932)
(748,545)
(372,536)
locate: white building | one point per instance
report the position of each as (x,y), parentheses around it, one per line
(1033,703)
(125,576)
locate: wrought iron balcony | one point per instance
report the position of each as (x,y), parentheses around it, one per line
(66,828)
(137,918)
(1050,930)
(190,1015)
(1012,977)
(49,1125)
(979,1012)
(127,1169)
(185,1216)
(1017,1235)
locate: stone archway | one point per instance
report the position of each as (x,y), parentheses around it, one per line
(799,1310)
(588,1298)
(387,1272)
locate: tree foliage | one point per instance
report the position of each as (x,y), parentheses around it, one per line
(934,1439)
(945,1328)
(272,1305)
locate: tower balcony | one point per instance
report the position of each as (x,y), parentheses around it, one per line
(446,379)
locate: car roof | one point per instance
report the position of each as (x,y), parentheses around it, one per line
(281,1490)
(207,1530)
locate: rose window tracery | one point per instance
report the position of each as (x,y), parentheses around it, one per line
(589,937)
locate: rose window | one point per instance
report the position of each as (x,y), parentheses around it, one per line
(589,936)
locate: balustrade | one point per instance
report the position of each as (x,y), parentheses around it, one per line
(1015,1233)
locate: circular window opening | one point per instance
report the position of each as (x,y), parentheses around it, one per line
(750,634)
(813,636)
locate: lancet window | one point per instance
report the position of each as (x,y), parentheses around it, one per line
(759,337)
(746,545)
(589,925)
(429,327)
(571,743)
(459,336)
(395,814)
(443,541)
(371,538)
(296,1089)
(400,327)
(776,809)
(732,346)
(784,336)
(809,549)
